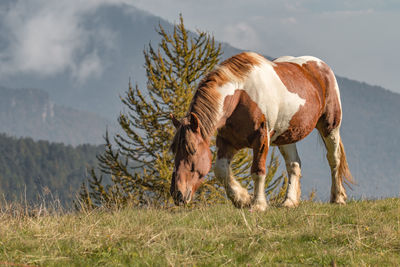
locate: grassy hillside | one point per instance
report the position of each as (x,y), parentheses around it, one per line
(359,234)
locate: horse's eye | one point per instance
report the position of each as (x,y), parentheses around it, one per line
(192,170)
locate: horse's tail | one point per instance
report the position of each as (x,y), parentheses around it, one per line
(344,171)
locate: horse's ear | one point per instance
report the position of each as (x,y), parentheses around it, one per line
(194,122)
(175,122)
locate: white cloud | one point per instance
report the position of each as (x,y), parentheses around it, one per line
(294,6)
(90,66)
(49,37)
(290,20)
(241,35)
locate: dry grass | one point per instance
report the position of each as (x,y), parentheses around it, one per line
(361,233)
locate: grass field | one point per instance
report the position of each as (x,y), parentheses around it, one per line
(361,233)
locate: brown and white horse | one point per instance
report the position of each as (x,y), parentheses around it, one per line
(256,103)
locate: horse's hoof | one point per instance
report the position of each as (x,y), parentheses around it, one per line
(258,207)
(241,198)
(242,203)
(289,203)
(339,201)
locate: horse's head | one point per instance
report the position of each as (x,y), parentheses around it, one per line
(192,159)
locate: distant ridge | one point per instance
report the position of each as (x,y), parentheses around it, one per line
(30,113)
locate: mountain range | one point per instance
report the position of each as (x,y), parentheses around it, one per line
(76,112)
(31,113)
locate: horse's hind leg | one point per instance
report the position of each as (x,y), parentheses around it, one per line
(236,193)
(334,155)
(293,167)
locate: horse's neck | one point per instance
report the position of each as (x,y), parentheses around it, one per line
(230,94)
(208,106)
(213,116)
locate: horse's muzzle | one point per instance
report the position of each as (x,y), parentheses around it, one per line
(179,199)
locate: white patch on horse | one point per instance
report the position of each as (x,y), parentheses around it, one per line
(277,103)
(266,89)
(299,60)
(294,182)
(283,59)
(225,90)
(259,202)
(235,191)
(292,161)
(259,186)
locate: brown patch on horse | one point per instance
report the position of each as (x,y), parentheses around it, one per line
(316,84)
(206,100)
(242,121)
(332,114)
(244,126)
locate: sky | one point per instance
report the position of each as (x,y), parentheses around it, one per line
(359,39)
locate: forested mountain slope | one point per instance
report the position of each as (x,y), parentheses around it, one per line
(43,169)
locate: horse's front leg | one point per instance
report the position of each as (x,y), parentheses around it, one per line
(236,193)
(258,172)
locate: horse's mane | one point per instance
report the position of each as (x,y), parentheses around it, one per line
(206,101)
(182,139)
